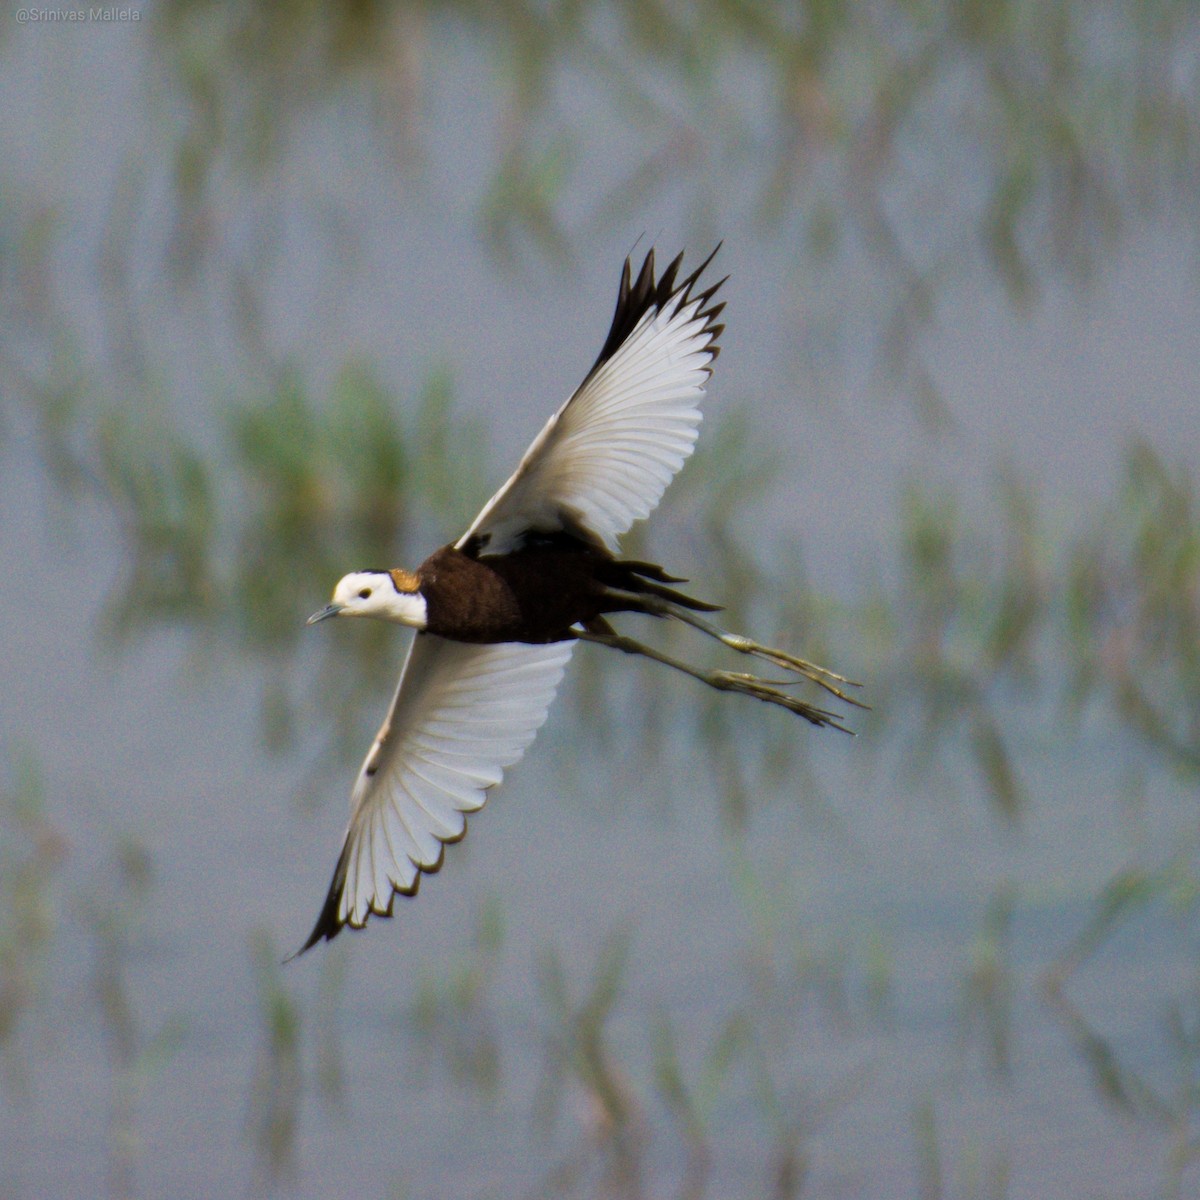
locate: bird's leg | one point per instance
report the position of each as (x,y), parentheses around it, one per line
(723,681)
(821,676)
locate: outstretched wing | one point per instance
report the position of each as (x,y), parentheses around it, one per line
(606,457)
(461,714)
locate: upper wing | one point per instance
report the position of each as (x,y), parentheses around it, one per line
(461,714)
(606,457)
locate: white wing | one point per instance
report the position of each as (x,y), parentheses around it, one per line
(606,457)
(461,714)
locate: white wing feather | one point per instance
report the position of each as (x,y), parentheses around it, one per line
(461,714)
(605,458)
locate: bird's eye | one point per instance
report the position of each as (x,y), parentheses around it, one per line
(365,594)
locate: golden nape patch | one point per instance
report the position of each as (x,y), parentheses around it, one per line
(405,581)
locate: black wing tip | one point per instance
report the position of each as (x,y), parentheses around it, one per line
(640,295)
(329,924)
(322,931)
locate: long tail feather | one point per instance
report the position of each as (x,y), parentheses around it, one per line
(649,579)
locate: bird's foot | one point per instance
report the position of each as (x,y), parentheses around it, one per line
(824,678)
(767,690)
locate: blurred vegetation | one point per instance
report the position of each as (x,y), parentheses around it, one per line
(277,1088)
(580,1055)
(977,1173)
(1075,118)
(291,1027)
(1057,127)
(115,911)
(1133,606)
(963,631)
(1129,897)
(624,1086)
(839,129)
(989,987)
(451,1016)
(297,489)
(31,852)
(316,485)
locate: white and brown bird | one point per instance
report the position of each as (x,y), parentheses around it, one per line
(498,612)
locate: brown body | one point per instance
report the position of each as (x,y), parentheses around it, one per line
(535,593)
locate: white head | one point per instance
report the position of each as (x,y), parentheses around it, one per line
(386,595)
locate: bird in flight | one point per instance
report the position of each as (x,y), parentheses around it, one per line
(498,612)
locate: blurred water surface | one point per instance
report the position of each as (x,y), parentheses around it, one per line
(287,291)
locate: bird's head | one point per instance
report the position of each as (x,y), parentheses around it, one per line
(385,595)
